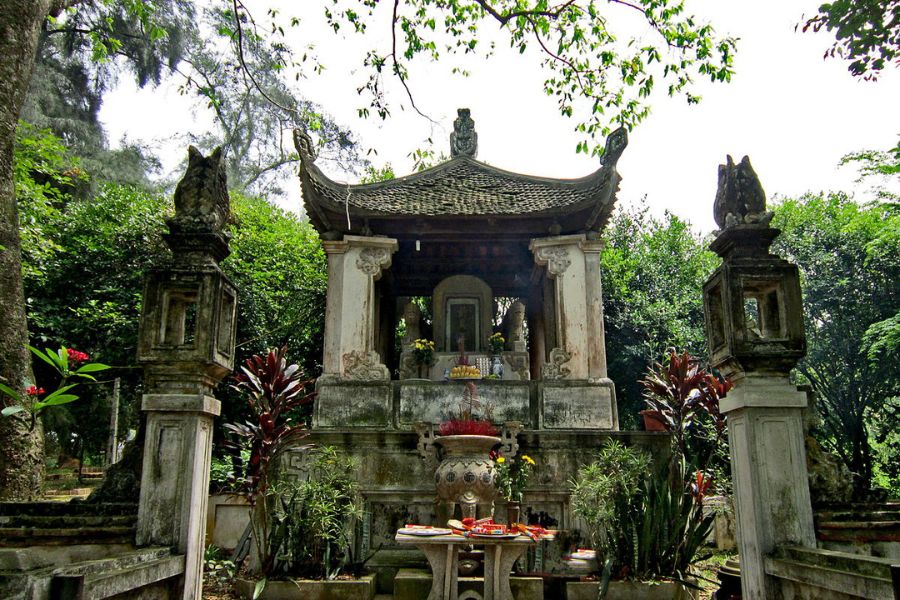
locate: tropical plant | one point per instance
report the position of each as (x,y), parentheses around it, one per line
(274,391)
(68,363)
(849,268)
(511,476)
(642,526)
(680,393)
(312,520)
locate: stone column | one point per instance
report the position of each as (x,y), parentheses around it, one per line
(354,265)
(186,345)
(573,263)
(754,326)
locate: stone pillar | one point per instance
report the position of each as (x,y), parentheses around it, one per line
(754,325)
(186,345)
(354,265)
(573,263)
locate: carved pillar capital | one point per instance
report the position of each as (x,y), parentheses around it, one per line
(372,260)
(374,253)
(555,252)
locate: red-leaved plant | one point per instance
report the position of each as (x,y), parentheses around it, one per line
(680,391)
(467,427)
(273,389)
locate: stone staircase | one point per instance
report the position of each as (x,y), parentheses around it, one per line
(868,529)
(57,523)
(77,550)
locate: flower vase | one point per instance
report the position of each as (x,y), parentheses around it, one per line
(496,367)
(513,512)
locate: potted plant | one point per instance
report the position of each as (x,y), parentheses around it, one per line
(681,397)
(510,480)
(311,534)
(423,355)
(298,528)
(465,474)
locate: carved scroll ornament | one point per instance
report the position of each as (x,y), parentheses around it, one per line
(364,366)
(555,369)
(372,260)
(556,258)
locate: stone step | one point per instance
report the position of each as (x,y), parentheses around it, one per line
(114,577)
(67,508)
(882,511)
(33,536)
(66,521)
(828,573)
(119,561)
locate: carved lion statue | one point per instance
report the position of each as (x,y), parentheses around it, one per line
(201,197)
(740,198)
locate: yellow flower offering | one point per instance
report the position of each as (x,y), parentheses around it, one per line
(501,460)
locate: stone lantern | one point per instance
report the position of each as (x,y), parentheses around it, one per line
(753,306)
(754,325)
(186,346)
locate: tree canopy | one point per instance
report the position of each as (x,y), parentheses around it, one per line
(847,254)
(867,33)
(653,270)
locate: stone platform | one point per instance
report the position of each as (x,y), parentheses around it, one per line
(387,426)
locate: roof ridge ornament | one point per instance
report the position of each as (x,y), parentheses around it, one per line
(615,145)
(305,146)
(464,139)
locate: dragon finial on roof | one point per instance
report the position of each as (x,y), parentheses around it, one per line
(463,140)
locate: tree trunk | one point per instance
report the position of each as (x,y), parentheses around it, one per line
(21,449)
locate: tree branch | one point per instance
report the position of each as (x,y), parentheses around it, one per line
(553,13)
(398,69)
(238,6)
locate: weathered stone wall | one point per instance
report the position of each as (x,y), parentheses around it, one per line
(375,423)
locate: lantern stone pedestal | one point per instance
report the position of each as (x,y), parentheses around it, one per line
(186,345)
(754,326)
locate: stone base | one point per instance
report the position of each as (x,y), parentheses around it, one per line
(305,589)
(630,590)
(227,516)
(810,574)
(414,584)
(399,405)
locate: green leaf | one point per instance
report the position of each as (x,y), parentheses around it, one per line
(260,586)
(47,358)
(92,367)
(10,392)
(55,400)
(11,410)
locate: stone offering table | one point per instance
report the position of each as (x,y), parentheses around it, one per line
(442,552)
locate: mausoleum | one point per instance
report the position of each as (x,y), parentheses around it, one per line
(483,250)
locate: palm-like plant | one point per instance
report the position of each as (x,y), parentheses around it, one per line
(273,389)
(680,392)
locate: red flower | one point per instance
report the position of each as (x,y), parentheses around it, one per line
(34,390)
(76,357)
(493,454)
(699,486)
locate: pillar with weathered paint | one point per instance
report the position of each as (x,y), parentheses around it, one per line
(355,263)
(186,346)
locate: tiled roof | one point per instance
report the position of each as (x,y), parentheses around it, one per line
(461,186)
